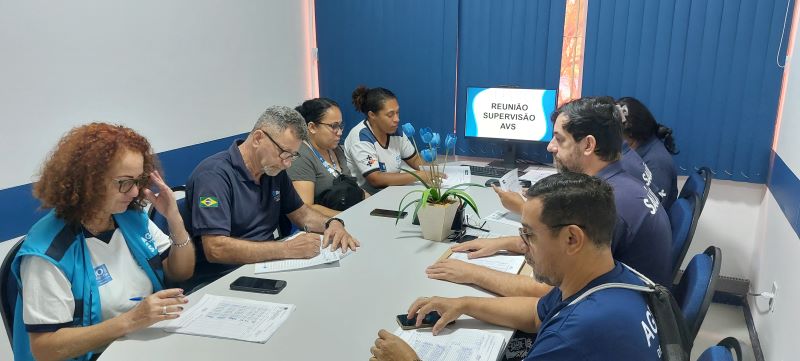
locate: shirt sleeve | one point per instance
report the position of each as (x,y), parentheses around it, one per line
(546,303)
(552,346)
(364,157)
(47,301)
(290,200)
(162,240)
(211,205)
(302,168)
(408,151)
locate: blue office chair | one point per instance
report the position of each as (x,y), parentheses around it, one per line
(683,217)
(698,184)
(8,290)
(723,351)
(696,287)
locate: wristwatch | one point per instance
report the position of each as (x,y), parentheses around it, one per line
(328,222)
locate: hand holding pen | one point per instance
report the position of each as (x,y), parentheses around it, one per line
(162,305)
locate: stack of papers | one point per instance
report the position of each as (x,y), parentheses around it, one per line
(325,256)
(500,262)
(232,318)
(458,345)
(505,217)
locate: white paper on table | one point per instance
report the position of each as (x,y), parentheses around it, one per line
(457,345)
(510,182)
(535,175)
(505,217)
(456,174)
(508,263)
(231,318)
(325,256)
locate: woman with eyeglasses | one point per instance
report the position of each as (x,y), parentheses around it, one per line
(321,175)
(376,147)
(93,269)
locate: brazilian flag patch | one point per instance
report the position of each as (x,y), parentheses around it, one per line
(209,202)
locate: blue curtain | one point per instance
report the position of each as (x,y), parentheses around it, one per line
(508,43)
(406,46)
(707,69)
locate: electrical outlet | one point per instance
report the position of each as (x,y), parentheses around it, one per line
(774,296)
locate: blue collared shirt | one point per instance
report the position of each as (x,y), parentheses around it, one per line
(662,166)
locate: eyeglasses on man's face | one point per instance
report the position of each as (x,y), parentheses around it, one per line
(285,154)
(526,233)
(335,127)
(126,184)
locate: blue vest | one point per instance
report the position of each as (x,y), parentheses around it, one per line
(65,247)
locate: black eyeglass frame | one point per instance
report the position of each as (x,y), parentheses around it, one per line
(291,155)
(524,235)
(126,184)
(334,127)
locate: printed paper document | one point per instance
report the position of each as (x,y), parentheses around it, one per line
(457,345)
(230,317)
(325,256)
(500,262)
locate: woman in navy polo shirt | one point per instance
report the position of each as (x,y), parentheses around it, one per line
(654,143)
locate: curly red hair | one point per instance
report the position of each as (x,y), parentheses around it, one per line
(74,177)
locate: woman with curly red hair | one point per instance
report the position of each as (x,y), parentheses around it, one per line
(93,269)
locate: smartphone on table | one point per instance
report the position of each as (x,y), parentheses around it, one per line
(258,285)
(387,213)
(410,323)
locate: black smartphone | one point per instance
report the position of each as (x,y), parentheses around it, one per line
(409,323)
(259,285)
(387,213)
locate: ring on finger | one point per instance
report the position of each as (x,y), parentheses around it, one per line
(163,310)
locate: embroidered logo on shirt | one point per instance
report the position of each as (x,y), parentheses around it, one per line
(101,275)
(209,202)
(382,166)
(369,161)
(276,195)
(150,242)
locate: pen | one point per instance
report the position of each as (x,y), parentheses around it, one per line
(137,299)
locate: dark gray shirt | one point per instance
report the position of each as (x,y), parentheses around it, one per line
(309,168)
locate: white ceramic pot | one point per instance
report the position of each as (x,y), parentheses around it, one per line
(436,220)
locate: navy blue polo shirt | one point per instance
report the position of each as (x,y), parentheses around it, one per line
(225,200)
(635,166)
(661,164)
(610,324)
(642,235)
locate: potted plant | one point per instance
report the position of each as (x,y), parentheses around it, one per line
(436,207)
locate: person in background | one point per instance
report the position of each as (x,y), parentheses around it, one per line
(376,147)
(93,268)
(654,143)
(567,226)
(587,138)
(238,198)
(321,175)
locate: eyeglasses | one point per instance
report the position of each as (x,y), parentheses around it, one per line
(335,127)
(126,184)
(525,234)
(285,154)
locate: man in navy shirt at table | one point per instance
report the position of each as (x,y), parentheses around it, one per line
(567,225)
(587,138)
(237,197)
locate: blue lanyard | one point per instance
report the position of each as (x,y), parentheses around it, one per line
(331,169)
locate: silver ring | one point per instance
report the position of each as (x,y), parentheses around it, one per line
(164,310)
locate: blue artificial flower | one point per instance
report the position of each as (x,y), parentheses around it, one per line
(435,140)
(429,155)
(408,130)
(426,134)
(450,141)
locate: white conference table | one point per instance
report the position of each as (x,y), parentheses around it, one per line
(341,307)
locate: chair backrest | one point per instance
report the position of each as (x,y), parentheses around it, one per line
(8,290)
(698,184)
(158,218)
(696,288)
(723,351)
(683,217)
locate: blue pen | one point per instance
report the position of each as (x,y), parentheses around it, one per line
(137,299)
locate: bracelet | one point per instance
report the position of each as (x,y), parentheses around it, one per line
(328,222)
(180,245)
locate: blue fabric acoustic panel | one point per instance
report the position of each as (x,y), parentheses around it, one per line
(406,46)
(708,69)
(507,43)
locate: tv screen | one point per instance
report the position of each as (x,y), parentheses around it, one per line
(510,113)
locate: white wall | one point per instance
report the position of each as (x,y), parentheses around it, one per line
(181,71)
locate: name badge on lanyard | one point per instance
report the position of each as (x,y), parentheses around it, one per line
(330,168)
